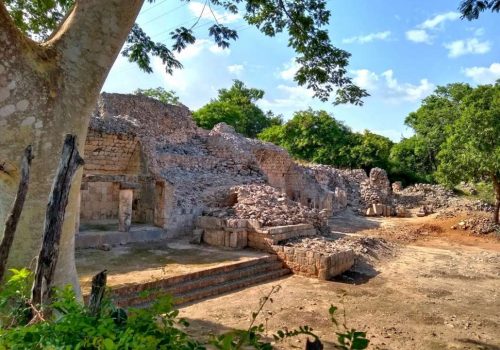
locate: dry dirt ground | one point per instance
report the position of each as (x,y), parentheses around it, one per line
(437,289)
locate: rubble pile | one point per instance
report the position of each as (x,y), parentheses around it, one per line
(363,247)
(432,196)
(262,203)
(477,225)
(376,189)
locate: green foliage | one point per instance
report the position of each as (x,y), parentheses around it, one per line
(432,119)
(314,136)
(323,67)
(38,18)
(14,298)
(73,326)
(471,9)
(371,150)
(472,150)
(160,94)
(236,107)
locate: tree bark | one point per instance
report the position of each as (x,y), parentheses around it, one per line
(48,90)
(97,293)
(15,214)
(496,186)
(58,200)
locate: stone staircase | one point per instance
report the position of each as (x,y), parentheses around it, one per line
(202,284)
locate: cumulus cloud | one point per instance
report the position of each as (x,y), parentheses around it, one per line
(362,39)
(236,69)
(421,34)
(294,97)
(386,86)
(289,70)
(438,20)
(483,75)
(202,10)
(199,46)
(365,79)
(179,81)
(468,46)
(418,36)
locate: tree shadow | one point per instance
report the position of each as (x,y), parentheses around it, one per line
(481,345)
(202,330)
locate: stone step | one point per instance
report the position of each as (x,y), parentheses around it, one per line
(201,283)
(231,286)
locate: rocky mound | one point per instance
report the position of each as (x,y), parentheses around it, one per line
(263,203)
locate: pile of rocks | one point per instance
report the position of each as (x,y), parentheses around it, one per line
(418,195)
(376,189)
(477,225)
(265,204)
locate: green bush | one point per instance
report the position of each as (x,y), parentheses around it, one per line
(73,326)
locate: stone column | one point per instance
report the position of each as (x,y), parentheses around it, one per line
(125,208)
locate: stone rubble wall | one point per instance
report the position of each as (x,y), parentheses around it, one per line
(315,264)
(187,164)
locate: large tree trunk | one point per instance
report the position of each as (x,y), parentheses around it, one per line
(48,90)
(496,212)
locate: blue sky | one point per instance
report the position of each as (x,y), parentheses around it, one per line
(401,50)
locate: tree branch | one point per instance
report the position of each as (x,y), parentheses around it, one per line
(90,39)
(15,214)
(12,37)
(56,209)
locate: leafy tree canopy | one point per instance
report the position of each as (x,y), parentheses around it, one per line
(471,9)
(371,150)
(472,150)
(236,106)
(323,67)
(314,136)
(160,94)
(432,119)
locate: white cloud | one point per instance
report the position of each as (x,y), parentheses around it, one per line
(215,49)
(484,75)
(437,20)
(387,87)
(199,9)
(179,81)
(468,46)
(365,79)
(236,69)
(362,39)
(418,36)
(200,45)
(289,70)
(295,97)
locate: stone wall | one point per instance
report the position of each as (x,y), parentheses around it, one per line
(182,164)
(111,154)
(315,264)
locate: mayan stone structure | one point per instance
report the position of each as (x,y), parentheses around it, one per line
(148,163)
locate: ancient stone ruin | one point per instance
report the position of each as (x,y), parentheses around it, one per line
(152,174)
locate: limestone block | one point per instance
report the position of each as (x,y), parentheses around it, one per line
(379,209)
(214,237)
(125,210)
(197,236)
(209,222)
(370,212)
(238,239)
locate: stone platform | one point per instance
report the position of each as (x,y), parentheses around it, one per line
(97,235)
(141,272)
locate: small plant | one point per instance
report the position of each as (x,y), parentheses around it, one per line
(72,325)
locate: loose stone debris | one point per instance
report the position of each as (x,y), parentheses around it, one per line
(148,163)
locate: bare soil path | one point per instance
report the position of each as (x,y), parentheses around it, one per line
(439,290)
